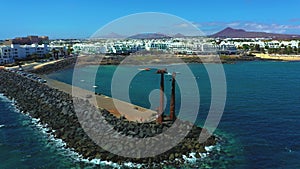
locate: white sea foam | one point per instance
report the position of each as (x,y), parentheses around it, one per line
(203,155)
(133,165)
(209,148)
(59,143)
(2,96)
(191,158)
(109,163)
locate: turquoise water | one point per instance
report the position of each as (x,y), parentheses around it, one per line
(259,127)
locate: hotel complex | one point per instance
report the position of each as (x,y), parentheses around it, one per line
(22,48)
(9,54)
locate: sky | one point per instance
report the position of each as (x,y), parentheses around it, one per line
(81,19)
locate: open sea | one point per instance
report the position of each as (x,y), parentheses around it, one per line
(260,126)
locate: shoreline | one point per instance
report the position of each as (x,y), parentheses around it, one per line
(49,67)
(84,60)
(53,108)
(290,58)
(72,62)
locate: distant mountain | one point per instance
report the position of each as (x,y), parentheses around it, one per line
(178,35)
(112,35)
(240,33)
(149,36)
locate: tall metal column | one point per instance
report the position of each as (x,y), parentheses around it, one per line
(172,102)
(162,88)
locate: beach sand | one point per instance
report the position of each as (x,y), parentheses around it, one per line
(278,57)
(34,65)
(46,63)
(114,106)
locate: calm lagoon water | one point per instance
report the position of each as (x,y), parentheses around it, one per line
(259,127)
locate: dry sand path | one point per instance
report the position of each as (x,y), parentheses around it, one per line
(115,106)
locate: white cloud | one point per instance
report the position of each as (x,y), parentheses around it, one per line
(234,24)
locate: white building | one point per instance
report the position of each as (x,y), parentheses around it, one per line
(91,48)
(8,54)
(273,44)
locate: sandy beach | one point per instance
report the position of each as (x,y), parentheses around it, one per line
(47,63)
(34,65)
(278,57)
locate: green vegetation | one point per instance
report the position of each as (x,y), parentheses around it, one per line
(284,50)
(34,57)
(69,50)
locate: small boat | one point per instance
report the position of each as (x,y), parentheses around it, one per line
(146,69)
(95,86)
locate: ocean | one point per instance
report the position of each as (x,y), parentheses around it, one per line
(259,127)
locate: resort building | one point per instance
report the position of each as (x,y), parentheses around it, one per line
(9,53)
(6,55)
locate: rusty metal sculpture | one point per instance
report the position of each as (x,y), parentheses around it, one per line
(172,102)
(162,88)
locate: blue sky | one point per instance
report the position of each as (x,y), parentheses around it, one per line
(80,19)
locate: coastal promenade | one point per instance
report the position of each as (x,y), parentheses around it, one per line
(125,109)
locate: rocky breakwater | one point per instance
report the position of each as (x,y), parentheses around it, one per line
(96,134)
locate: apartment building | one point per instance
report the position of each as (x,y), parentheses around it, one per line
(9,53)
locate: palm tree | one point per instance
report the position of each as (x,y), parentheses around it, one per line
(62,52)
(55,53)
(69,50)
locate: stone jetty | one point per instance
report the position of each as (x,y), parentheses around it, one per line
(56,110)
